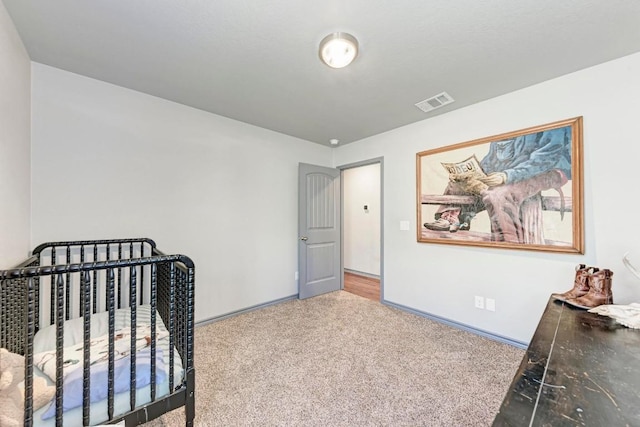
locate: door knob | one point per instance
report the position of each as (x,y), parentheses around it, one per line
(304,238)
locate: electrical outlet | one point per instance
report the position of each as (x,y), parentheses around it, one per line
(479,302)
(490,304)
(295,276)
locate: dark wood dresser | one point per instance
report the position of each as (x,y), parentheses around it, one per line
(581,369)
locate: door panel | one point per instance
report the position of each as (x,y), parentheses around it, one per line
(319,230)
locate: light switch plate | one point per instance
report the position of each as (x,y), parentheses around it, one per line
(405,225)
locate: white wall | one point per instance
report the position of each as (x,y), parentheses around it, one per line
(361,229)
(109,162)
(225,193)
(15,121)
(443,279)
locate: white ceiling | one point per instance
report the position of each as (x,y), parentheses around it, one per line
(257,61)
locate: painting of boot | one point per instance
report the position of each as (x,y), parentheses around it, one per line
(517,190)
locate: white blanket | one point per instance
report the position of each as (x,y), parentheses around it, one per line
(45,341)
(73,356)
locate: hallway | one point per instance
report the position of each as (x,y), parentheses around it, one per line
(364,286)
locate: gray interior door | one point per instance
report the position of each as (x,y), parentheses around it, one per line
(319,230)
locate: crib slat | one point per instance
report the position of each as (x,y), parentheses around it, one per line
(68,287)
(172,316)
(190,316)
(111,305)
(81,299)
(59,345)
(86,340)
(28,355)
(108,258)
(182,310)
(141,274)
(132,372)
(36,309)
(4,320)
(52,278)
(154,297)
(119,277)
(95,280)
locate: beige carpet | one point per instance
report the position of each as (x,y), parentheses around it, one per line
(342,360)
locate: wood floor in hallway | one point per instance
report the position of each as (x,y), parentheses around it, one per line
(367,287)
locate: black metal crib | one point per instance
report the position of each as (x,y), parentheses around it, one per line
(115,279)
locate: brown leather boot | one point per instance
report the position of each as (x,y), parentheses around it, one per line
(580,284)
(599,291)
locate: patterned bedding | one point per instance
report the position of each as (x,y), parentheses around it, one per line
(44,360)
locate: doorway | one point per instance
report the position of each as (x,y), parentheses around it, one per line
(362,208)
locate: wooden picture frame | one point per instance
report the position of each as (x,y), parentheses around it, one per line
(517,190)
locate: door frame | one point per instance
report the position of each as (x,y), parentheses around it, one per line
(341,168)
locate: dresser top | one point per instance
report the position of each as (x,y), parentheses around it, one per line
(580,369)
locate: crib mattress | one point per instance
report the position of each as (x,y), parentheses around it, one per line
(73,332)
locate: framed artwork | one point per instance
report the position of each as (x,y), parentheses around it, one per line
(517,190)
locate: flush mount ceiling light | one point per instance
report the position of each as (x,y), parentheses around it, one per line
(338,50)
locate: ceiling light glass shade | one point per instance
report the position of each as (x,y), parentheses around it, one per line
(338,50)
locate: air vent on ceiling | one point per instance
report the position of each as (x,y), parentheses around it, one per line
(434,102)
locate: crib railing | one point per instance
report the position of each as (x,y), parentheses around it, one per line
(57,253)
(109,274)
